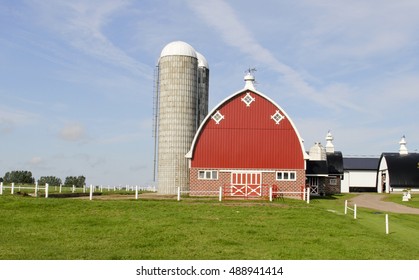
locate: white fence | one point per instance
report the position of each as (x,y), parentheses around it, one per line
(348,208)
(305,193)
(35,189)
(355,213)
(19,188)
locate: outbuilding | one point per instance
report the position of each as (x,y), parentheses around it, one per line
(325,168)
(398,171)
(359,174)
(246,145)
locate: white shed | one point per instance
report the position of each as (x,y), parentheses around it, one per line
(359,174)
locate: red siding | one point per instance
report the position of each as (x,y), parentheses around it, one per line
(248,138)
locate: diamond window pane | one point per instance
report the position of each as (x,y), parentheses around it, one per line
(277,117)
(248,99)
(217,117)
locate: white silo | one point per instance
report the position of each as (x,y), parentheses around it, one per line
(203,88)
(177,114)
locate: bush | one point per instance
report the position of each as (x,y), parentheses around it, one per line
(18,177)
(50,180)
(79,181)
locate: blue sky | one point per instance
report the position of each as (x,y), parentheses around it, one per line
(76,77)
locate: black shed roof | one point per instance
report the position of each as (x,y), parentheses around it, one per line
(403,169)
(360,163)
(317,167)
(335,163)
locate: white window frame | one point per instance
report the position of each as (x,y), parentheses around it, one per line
(207,174)
(285,175)
(333,181)
(277,117)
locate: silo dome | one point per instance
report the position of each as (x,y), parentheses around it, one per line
(178,48)
(202,62)
(317,152)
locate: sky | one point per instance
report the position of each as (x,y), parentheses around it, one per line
(76,77)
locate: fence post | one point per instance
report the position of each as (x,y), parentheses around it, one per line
(220,195)
(36,188)
(304,193)
(61,186)
(386,223)
(84,188)
(1,188)
(346,207)
(178,193)
(13,188)
(74,189)
(355,211)
(308,195)
(136,192)
(46,190)
(270,193)
(91,191)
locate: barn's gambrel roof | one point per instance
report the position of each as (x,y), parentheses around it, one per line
(247,132)
(403,169)
(335,163)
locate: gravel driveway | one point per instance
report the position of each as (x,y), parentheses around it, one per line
(374,201)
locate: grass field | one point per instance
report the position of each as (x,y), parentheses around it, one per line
(39,228)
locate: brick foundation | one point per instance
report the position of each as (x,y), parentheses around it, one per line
(200,187)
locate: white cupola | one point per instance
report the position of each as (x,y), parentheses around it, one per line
(249,80)
(330,148)
(403,148)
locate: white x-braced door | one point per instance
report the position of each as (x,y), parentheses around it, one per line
(246,184)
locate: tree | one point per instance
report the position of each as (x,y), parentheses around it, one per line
(79,181)
(19,177)
(50,180)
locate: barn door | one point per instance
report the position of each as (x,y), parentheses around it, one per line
(246,184)
(314,185)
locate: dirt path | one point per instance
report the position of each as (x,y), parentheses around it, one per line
(374,201)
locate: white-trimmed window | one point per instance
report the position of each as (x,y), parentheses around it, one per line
(333,181)
(277,117)
(286,175)
(208,175)
(217,117)
(248,99)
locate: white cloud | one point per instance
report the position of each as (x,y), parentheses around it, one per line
(12,118)
(358,29)
(236,34)
(34,161)
(73,132)
(82,24)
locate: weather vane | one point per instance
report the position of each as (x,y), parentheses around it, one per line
(250,70)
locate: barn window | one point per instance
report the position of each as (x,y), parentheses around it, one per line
(248,99)
(333,181)
(217,117)
(285,175)
(277,117)
(208,174)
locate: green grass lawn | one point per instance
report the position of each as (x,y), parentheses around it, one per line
(397,198)
(39,228)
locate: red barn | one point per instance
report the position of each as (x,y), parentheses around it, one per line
(246,145)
